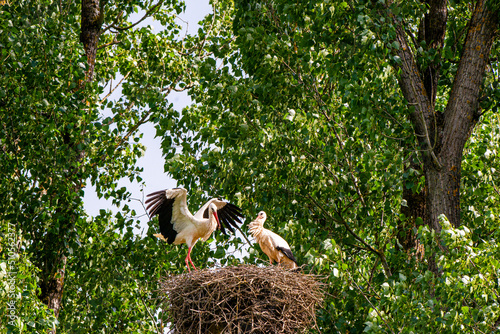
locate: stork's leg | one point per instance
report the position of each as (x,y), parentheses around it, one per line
(189,258)
(187,263)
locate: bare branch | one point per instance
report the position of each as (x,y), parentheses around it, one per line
(112,23)
(108,44)
(153,320)
(111,91)
(148,14)
(357,237)
(369,302)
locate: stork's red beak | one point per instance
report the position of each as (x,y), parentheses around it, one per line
(217,219)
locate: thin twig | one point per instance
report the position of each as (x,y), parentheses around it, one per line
(148,13)
(112,90)
(147,308)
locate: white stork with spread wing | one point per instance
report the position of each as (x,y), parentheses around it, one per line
(179,226)
(274,246)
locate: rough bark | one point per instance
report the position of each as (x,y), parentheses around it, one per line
(432,30)
(92,19)
(52,285)
(462,111)
(414,208)
(51,258)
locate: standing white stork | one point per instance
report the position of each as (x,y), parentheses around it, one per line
(274,246)
(179,226)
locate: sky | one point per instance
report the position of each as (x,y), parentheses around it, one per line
(153,161)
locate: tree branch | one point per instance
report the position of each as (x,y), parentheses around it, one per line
(113,89)
(387,270)
(412,86)
(461,113)
(108,44)
(433,31)
(148,14)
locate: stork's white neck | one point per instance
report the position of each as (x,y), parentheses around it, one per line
(256,228)
(208,226)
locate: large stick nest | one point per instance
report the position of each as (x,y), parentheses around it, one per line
(243,299)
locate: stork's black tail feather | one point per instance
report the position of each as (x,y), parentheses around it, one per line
(288,253)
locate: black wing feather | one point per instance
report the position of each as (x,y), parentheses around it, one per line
(229,216)
(162,206)
(222,225)
(233,217)
(225,221)
(234,209)
(287,252)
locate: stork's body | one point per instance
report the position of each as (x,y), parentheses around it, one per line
(274,246)
(179,226)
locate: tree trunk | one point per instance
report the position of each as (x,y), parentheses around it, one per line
(442,135)
(52,286)
(414,208)
(92,19)
(443,192)
(52,260)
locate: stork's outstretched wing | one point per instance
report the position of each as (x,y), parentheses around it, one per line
(171,207)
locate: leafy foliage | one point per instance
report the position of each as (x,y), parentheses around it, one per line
(21,308)
(59,132)
(299,115)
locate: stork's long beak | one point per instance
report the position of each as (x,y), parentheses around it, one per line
(217,219)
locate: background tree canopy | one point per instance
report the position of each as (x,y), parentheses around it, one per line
(367,130)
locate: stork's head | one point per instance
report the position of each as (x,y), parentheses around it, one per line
(212,209)
(257,224)
(261,216)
